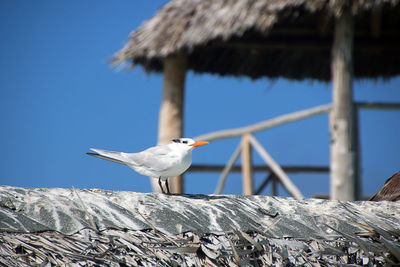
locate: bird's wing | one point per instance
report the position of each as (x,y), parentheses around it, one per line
(159,150)
(159,158)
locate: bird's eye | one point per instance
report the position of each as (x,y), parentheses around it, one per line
(185,142)
(176,140)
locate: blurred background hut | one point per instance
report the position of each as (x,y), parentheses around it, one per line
(333,40)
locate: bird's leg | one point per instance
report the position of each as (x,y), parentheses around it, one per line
(166,183)
(159,183)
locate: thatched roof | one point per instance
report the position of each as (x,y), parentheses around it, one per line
(273,38)
(390,190)
(86,227)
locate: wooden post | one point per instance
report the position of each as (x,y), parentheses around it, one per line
(171,110)
(343,180)
(247,170)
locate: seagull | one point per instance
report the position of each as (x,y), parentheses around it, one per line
(160,162)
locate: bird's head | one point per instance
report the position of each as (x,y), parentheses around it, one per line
(188,143)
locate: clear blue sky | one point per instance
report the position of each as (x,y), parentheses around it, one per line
(59,97)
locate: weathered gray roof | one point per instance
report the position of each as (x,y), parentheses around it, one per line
(173,225)
(68,211)
(273,38)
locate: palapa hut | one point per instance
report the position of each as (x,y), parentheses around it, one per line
(325,40)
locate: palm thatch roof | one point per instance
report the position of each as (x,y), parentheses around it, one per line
(94,227)
(273,38)
(390,190)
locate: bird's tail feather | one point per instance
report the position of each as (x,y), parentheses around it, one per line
(107,155)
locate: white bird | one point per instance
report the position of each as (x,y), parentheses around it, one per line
(160,162)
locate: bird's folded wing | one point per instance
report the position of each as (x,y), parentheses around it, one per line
(158,160)
(159,150)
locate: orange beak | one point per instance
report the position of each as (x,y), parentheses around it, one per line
(199,143)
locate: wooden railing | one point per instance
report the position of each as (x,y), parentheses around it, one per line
(277,172)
